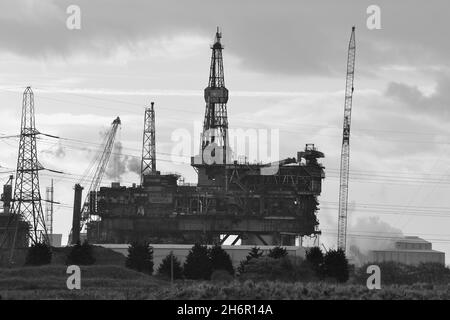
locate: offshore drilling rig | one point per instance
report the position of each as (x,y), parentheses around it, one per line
(257,203)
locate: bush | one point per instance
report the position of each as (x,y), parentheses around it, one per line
(165,268)
(277,253)
(221,276)
(198,264)
(38,254)
(220,259)
(335,265)
(266,268)
(140,257)
(81,254)
(282,269)
(254,253)
(315,257)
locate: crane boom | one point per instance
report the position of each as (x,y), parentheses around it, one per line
(101,168)
(81,215)
(345,151)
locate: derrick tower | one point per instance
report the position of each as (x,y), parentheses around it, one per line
(214,144)
(148,161)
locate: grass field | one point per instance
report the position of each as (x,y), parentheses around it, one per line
(301,291)
(97,282)
(114,282)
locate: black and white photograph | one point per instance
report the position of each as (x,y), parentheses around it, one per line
(233,153)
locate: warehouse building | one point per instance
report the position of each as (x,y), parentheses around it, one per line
(409,250)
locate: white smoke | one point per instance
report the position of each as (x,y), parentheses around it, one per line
(134,165)
(370,233)
(118,163)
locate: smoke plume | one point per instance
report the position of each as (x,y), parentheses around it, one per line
(370,233)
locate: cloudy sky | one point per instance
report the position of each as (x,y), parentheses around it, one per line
(285,65)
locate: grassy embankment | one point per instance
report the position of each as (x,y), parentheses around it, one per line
(115,282)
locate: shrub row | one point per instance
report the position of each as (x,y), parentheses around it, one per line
(331,266)
(41,254)
(201,263)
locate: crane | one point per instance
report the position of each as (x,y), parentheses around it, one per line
(345,151)
(81,217)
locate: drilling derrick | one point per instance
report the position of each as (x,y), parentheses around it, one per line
(345,152)
(27,196)
(215,126)
(148,162)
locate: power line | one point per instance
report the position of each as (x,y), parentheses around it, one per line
(239,118)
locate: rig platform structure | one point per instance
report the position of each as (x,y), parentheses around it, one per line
(231,197)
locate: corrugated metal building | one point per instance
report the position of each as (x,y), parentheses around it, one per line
(409,250)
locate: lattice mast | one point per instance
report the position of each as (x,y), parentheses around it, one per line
(49,209)
(215,126)
(27,197)
(148,162)
(345,152)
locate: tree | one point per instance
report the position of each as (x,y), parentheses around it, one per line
(81,254)
(254,253)
(220,259)
(140,257)
(169,262)
(198,263)
(314,256)
(277,253)
(38,254)
(335,265)
(268,269)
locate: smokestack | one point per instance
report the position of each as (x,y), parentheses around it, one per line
(7,196)
(76,220)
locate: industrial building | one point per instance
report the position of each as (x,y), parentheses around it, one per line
(13,229)
(409,250)
(253,202)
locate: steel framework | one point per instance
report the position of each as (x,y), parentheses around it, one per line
(27,196)
(345,152)
(215,126)
(148,162)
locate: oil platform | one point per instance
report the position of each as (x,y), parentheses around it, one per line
(250,201)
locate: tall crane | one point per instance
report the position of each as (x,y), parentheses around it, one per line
(83,213)
(345,151)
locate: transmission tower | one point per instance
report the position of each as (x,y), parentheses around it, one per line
(27,196)
(345,152)
(215,126)
(148,162)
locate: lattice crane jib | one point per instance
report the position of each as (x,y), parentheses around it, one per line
(215,126)
(27,197)
(100,169)
(345,152)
